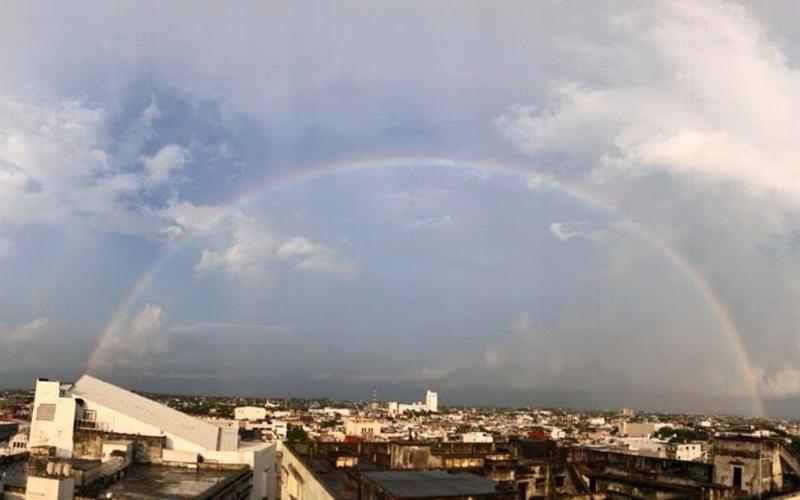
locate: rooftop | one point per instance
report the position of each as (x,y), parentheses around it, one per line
(430,483)
(13,470)
(147,482)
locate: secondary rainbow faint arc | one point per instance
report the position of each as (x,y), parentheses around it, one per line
(694,275)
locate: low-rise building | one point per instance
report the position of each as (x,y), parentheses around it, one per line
(249,413)
(336,477)
(364,428)
(476,437)
(637,429)
(270,430)
(17,444)
(753,464)
(695,450)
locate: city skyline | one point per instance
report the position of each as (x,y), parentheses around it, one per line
(515,204)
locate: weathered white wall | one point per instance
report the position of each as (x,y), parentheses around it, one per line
(261,459)
(48,488)
(57,432)
(297,481)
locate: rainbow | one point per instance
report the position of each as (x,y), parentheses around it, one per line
(695,277)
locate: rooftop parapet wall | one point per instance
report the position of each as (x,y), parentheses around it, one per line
(696,471)
(146,449)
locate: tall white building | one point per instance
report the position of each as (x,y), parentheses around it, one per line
(431,404)
(432,401)
(62,411)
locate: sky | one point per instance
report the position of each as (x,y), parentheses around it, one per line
(513,203)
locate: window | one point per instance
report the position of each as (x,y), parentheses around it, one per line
(46,412)
(90,415)
(737,477)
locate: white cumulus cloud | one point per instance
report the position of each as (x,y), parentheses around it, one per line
(61,163)
(160,167)
(252,253)
(782,384)
(727,113)
(315,257)
(136,344)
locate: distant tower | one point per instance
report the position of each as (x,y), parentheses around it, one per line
(432,401)
(373,403)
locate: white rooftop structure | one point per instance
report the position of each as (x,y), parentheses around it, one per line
(172,423)
(65,413)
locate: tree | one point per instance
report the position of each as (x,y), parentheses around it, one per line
(795,445)
(679,435)
(297,434)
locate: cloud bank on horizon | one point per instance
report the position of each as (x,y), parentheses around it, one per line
(126,129)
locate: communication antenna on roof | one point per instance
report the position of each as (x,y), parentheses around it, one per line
(373,403)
